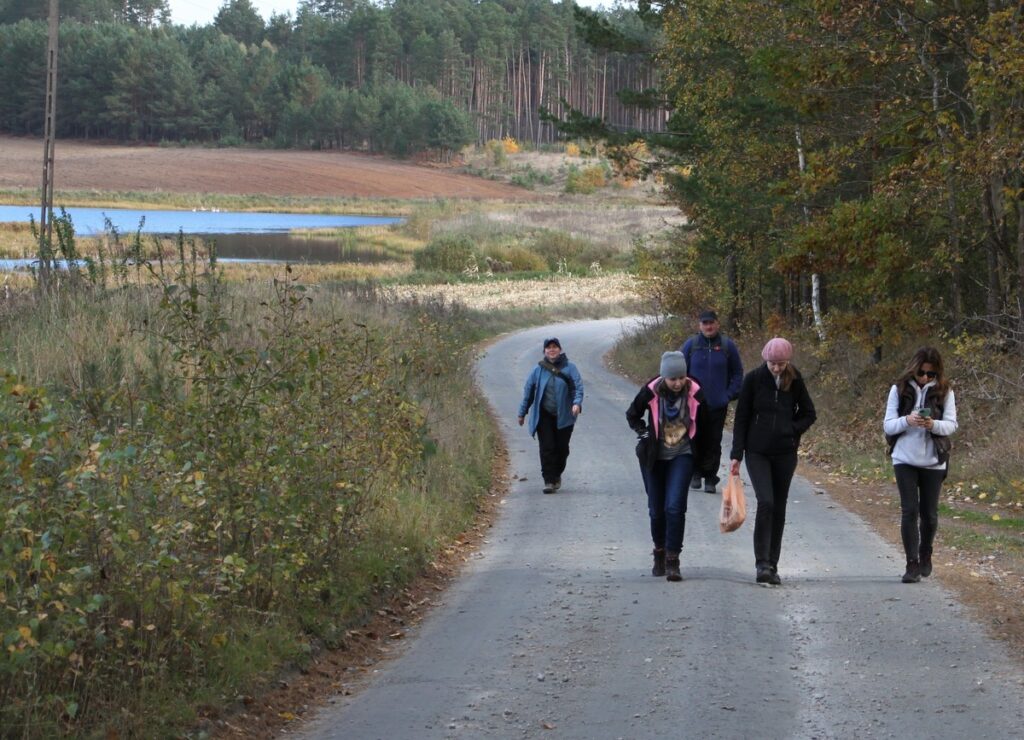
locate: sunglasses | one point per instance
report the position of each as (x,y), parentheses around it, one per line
(929,373)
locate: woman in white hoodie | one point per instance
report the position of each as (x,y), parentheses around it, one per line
(919,418)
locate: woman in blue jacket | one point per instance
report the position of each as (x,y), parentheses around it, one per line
(773,412)
(554,390)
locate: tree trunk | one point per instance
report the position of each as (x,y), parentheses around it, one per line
(1020,272)
(991,256)
(819,323)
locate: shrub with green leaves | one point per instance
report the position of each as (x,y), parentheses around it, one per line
(518,259)
(565,252)
(236,492)
(449,253)
(587,180)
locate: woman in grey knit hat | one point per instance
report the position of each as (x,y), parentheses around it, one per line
(674,408)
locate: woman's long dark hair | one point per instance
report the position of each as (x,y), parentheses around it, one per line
(930,356)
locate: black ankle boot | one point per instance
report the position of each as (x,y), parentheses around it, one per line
(764,573)
(926,563)
(672,567)
(658,569)
(913,574)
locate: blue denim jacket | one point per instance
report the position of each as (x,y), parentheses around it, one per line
(533,395)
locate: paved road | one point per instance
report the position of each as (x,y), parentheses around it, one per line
(557,629)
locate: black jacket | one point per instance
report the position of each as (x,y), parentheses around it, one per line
(770,421)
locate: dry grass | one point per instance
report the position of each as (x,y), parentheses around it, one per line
(489,295)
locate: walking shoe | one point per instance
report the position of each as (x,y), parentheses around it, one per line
(672,567)
(913,574)
(557,484)
(658,569)
(774,577)
(926,564)
(764,574)
(549,487)
(695,482)
(709,487)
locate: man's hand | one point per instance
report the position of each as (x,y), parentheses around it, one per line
(521,419)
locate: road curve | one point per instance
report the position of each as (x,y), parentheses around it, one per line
(557,629)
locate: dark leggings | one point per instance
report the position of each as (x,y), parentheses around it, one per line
(770,475)
(919,502)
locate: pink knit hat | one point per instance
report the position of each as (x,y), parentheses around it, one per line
(777,350)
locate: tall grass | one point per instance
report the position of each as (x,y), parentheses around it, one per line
(204,479)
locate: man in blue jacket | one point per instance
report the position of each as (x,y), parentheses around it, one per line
(714,362)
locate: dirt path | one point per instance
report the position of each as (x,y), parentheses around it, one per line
(87,166)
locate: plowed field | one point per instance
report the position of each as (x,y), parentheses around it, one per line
(108,167)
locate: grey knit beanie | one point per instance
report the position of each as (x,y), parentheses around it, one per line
(673,365)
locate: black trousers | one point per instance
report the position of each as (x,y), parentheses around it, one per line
(708,444)
(919,502)
(770,475)
(554,446)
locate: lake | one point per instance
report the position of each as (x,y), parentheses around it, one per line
(239,235)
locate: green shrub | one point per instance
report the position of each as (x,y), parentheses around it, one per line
(565,252)
(529,177)
(518,259)
(446,254)
(588,179)
(260,483)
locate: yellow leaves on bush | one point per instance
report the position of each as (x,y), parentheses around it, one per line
(630,160)
(510,145)
(586,180)
(572,149)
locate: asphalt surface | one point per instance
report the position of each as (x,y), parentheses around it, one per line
(557,629)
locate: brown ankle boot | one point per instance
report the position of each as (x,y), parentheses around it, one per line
(658,569)
(672,567)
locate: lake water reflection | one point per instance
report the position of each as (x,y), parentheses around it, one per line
(259,237)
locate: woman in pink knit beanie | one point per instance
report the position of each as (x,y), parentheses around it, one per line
(777,350)
(773,412)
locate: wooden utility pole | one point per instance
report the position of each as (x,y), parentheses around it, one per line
(46,217)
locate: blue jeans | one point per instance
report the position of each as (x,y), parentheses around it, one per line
(668,488)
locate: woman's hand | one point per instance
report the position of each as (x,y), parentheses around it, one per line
(576,409)
(734,467)
(916,420)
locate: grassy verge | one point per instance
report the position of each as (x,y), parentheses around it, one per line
(202,482)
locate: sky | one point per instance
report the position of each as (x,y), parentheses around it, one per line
(202,12)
